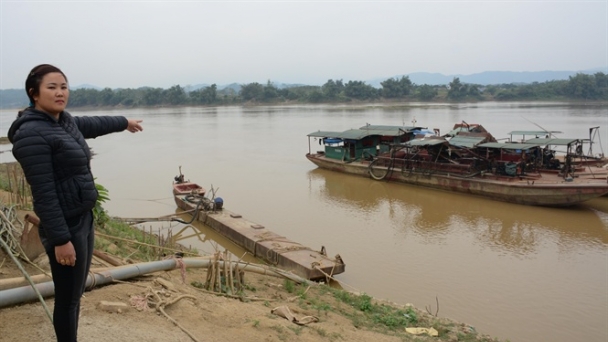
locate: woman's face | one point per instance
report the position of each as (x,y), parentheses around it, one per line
(53,94)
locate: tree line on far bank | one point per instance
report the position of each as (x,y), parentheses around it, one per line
(579,87)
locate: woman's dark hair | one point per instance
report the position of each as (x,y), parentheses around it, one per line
(34,78)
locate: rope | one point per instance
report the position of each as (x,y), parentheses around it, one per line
(179,263)
(93,280)
(336,280)
(161,304)
(145,244)
(6,232)
(199,205)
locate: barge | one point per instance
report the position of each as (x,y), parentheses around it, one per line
(272,248)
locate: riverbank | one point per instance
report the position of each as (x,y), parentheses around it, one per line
(129,311)
(389,103)
(172,306)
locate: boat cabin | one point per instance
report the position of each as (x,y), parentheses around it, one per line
(459,147)
(511,158)
(535,134)
(579,151)
(362,143)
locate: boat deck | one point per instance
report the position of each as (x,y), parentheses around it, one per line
(542,189)
(275,249)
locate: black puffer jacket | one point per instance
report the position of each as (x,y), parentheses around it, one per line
(56,161)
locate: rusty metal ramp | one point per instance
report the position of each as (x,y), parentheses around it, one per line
(274,249)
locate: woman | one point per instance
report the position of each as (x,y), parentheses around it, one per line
(49,143)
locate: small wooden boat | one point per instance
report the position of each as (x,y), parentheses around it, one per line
(188,188)
(183,187)
(256,239)
(468,160)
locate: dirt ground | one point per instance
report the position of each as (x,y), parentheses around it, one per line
(203,316)
(207,317)
(191,314)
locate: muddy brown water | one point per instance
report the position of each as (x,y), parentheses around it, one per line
(514,272)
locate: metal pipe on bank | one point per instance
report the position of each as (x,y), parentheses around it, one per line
(27,293)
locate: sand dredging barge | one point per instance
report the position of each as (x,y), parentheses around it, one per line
(256,239)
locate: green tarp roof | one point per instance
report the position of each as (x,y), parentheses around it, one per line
(325,134)
(466,141)
(508,146)
(551,141)
(356,134)
(532,132)
(390,128)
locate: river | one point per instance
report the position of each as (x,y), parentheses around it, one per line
(515,272)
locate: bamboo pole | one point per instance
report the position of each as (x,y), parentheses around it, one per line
(145,244)
(107,258)
(231,275)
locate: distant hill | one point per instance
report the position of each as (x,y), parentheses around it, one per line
(236,87)
(488,77)
(86,86)
(16,98)
(190,88)
(13,98)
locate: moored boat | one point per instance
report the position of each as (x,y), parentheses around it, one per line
(573,157)
(256,239)
(557,152)
(468,159)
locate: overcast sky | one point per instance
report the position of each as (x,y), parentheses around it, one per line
(129,44)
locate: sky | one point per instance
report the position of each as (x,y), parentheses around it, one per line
(130,44)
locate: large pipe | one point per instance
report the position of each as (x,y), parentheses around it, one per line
(27,293)
(10,283)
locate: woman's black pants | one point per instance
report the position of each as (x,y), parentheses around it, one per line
(70,281)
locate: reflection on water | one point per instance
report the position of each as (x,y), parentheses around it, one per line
(482,258)
(516,272)
(197,236)
(431,213)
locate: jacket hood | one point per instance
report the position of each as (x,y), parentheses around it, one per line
(28,114)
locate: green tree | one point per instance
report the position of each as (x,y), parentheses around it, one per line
(474,92)
(84,97)
(526,91)
(207,95)
(100,216)
(127,97)
(252,92)
(302,93)
(152,96)
(580,86)
(284,93)
(458,91)
(491,89)
(176,95)
(589,87)
(270,92)
(426,92)
(505,95)
(315,96)
(601,84)
(360,91)
(105,97)
(396,88)
(332,89)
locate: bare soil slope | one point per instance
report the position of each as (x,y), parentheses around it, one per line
(204,316)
